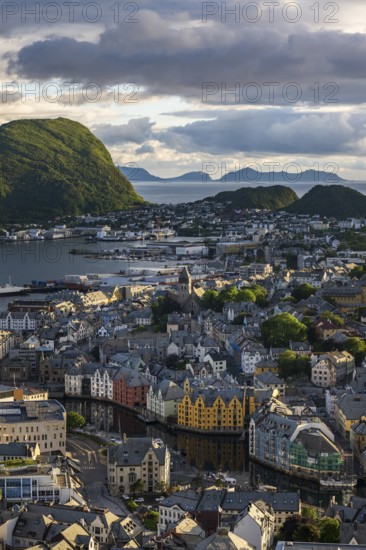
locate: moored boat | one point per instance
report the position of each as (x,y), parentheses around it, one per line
(12,290)
(339,483)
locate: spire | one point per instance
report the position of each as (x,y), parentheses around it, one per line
(184,276)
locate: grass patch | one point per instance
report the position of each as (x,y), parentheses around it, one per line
(18,462)
(132,505)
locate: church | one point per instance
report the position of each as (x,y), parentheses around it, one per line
(188,297)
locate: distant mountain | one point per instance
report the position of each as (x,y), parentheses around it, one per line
(245,175)
(273,197)
(197,177)
(56,167)
(248,175)
(135,174)
(331,200)
(142,175)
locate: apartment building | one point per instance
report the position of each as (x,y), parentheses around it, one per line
(42,422)
(137,458)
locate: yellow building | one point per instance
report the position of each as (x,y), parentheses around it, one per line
(350,297)
(358,437)
(266,365)
(349,409)
(255,398)
(212,410)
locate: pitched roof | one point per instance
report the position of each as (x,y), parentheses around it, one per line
(133,451)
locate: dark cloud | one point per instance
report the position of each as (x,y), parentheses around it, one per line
(137,130)
(145,149)
(269,131)
(225,65)
(177,60)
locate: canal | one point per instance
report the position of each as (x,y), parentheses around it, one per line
(206,453)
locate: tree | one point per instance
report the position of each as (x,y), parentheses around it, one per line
(304,291)
(357,348)
(261,295)
(160,487)
(307,532)
(332,318)
(291,364)
(151,520)
(357,271)
(281,328)
(74,421)
(209,299)
(137,487)
(228,294)
(245,295)
(289,527)
(309,514)
(161,309)
(329,530)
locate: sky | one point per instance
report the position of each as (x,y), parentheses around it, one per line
(179,86)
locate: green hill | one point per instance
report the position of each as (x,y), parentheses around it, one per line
(273,197)
(56,167)
(335,201)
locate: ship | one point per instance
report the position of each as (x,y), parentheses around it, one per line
(346,483)
(12,290)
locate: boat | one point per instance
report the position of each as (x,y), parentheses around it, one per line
(339,483)
(265,487)
(12,290)
(147,419)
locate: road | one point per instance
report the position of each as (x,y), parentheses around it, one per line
(94,474)
(87,452)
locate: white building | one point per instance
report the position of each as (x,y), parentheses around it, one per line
(74,382)
(329,368)
(7,342)
(256,525)
(40,485)
(217,362)
(101,383)
(162,400)
(175,506)
(250,357)
(19,321)
(204,346)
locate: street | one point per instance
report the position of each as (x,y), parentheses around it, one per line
(94,474)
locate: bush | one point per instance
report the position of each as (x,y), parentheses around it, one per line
(151,521)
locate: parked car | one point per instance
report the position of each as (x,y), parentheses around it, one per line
(159,499)
(140,499)
(125,497)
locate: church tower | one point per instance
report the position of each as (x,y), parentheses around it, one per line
(184,285)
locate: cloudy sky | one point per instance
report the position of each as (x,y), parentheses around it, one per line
(176,86)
